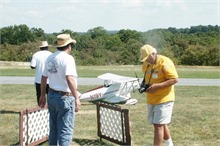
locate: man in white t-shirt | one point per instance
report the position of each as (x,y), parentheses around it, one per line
(62,97)
(38,62)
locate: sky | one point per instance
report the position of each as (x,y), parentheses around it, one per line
(83,15)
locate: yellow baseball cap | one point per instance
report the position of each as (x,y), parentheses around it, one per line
(145,51)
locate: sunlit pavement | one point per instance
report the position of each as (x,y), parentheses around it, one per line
(96,81)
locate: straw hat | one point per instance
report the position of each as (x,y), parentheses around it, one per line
(63,40)
(44,44)
(145,51)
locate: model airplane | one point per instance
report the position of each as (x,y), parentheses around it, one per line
(116,90)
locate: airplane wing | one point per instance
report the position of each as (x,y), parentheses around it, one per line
(116,78)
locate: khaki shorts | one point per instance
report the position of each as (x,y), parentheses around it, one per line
(160,113)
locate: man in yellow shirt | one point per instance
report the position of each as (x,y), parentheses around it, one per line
(159,78)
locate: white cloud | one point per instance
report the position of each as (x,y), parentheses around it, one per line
(82,15)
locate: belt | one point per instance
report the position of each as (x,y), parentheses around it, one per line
(60,92)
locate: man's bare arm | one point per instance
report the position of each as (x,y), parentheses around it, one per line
(164,84)
(72,86)
(42,101)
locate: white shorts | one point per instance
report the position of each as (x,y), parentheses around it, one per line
(160,113)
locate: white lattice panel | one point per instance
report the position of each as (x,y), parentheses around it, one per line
(35,126)
(111,123)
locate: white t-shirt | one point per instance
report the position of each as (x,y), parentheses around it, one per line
(38,61)
(58,66)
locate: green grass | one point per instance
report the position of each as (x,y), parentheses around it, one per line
(127,70)
(196,117)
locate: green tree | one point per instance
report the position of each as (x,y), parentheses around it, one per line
(197,45)
(38,33)
(194,55)
(125,35)
(97,32)
(16,35)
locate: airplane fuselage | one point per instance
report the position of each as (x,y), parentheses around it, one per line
(114,93)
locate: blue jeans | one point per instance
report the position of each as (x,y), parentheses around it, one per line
(62,118)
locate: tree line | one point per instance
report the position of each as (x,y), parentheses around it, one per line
(197,45)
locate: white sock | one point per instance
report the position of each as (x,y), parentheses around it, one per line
(169,142)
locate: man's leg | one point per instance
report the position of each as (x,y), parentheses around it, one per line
(38,92)
(166,132)
(51,101)
(53,129)
(162,116)
(158,134)
(66,117)
(47,89)
(167,136)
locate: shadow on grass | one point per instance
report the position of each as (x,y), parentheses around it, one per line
(8,112)
(91,142)
(81,142)
(43,144)
(15,144)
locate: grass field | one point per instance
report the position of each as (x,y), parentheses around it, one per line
(126,70)
(195,122)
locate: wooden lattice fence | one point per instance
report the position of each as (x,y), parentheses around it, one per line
(34,126)
(113,123)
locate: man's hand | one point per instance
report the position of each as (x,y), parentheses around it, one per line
(42,101)
(77,105)
(154,87)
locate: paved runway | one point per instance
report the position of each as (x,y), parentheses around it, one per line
(96,81)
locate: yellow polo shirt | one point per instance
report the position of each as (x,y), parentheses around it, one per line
(164,69)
